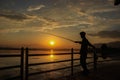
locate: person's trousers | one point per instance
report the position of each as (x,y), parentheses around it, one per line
(83,58)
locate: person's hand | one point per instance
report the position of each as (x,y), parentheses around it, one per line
(75,41)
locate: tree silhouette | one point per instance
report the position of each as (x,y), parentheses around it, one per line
(116,2)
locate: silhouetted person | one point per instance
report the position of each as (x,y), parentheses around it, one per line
(83,52)
(104,50)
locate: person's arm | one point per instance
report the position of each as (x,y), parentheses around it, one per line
(91,45)
(78,42)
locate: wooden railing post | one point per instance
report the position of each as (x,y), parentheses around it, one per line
(95,61)
(26,64)
(22,64)
(72,62)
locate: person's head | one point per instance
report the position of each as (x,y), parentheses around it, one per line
(82,34)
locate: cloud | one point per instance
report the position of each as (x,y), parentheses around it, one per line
(35,8)
(107,34)
(101,10)
(9,31)
(14,15)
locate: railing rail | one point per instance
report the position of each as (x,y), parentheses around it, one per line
(9,67)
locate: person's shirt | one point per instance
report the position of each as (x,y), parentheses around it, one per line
(84,45)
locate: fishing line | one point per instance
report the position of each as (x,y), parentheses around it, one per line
(59,36)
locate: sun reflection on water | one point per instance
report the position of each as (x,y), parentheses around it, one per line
(51,54)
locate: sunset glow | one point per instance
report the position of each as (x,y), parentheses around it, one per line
(46,36)
(32,23)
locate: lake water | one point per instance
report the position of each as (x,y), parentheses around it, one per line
(5,74)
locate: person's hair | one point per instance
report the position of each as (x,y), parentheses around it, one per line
(82,33)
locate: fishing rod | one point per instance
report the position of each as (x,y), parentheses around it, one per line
(59,37)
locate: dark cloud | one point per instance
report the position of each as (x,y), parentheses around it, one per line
(107,34)
(13,15)
(114,27)
(108,14)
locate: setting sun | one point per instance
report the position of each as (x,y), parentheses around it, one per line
(52,43)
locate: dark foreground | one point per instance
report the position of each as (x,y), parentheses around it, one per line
(105,71)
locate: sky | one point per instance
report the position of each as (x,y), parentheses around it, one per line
(29,23)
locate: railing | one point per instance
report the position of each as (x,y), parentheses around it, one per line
(21,56)
(24,64)
(41,72)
